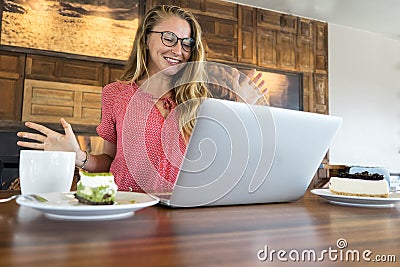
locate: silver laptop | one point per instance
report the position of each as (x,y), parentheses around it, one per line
(244,154)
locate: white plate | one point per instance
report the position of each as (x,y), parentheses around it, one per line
(66,207)
(390,201)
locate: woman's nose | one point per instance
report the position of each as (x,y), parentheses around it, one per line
(177,49)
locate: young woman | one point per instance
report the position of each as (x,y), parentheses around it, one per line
(144,134)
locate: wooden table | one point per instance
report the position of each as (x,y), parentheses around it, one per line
(217,236)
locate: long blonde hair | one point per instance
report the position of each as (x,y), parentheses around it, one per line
(190,89)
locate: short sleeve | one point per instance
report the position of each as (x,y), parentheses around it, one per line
(107,127)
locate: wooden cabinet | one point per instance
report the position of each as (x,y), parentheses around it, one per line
(11,85)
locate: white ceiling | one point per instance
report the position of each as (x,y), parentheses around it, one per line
(376,16)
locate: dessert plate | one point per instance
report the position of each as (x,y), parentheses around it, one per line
(65,206)
(393,199)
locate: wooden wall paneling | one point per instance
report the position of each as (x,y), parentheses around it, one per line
(112,73)
(38,67)
(286,50)
(82,72)
(305,45)
(276,42)
(321,47)
(12,67)
(152,3)
(321,93)
(47,101)
(247,35)
(194,5)
(308,92)
(221,38)
(215,8)
(288,23)
(266,48)
(1,16)
(220,9)
(64,70)
(269,19)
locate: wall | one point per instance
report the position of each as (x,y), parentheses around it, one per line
(364,89)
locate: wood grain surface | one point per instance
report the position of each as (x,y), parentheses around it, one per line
(216,236)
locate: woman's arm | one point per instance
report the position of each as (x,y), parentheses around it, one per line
(101,162)
(48,139)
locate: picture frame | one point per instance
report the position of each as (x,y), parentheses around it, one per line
(284,89)
(75,27)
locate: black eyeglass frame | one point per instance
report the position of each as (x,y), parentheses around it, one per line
(191,40)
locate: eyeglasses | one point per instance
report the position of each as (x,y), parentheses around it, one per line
(170,39)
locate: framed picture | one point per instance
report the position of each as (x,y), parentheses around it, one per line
(285,89)
(96,28)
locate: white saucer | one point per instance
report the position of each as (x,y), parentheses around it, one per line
(64,206)
(390,201)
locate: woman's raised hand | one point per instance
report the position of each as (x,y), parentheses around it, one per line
(249,89)
(48,139)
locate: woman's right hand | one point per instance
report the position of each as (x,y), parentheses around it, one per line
(48,139)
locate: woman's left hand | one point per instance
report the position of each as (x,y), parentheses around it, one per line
(249,89)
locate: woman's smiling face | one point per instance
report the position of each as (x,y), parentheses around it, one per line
(161,56)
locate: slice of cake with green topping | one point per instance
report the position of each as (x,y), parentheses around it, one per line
(96,188)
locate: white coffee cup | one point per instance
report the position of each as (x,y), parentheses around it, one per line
(46,171)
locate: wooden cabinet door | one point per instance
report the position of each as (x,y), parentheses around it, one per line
(247,45)
(11,85)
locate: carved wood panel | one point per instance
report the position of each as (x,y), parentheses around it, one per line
(308,92)
(321,47)
(11,85)
(286,50)
(247,41)
(305,45)
(321,93)
(221,38)
(64,70)
(266,48)
(47,101)
(112,73)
